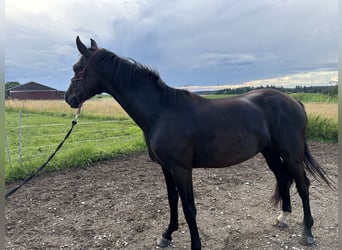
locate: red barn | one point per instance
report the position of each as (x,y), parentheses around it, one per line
(35,91)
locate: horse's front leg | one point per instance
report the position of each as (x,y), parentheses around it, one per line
(183,180)
(173,197)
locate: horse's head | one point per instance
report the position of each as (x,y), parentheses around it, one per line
(84,84)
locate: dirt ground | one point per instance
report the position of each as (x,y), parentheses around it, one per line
(122,204)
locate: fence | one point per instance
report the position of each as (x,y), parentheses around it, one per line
(30,138)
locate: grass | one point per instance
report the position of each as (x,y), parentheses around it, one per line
(314,97)
(93,139)
(322,129)
(104,131)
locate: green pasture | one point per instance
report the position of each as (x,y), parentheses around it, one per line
(91,140)
(315,97)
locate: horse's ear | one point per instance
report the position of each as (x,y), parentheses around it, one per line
(93,44)
(81,47)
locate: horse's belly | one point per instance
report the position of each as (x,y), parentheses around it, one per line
(225,154)
(216,162)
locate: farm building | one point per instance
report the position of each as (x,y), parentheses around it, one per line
(35,91)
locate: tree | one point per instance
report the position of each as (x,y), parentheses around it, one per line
(9,85)
(334,91)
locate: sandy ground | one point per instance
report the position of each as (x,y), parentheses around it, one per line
(122,204)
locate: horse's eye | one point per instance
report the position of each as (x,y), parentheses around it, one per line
(77,68)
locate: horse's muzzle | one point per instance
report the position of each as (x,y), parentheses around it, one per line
(72,100)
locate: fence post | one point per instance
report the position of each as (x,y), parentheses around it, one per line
(20,139)
(8,151)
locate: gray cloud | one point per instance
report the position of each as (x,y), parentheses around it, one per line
(220,60)
(189,42)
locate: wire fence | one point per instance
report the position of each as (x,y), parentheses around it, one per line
(33,137)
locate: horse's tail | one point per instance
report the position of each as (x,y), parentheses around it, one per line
(312,166)
(276,197)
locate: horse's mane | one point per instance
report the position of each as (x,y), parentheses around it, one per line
(118,67)
(115,63)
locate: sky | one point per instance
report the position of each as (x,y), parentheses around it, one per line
(194,44)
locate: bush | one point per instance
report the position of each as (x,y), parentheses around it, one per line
(322,129)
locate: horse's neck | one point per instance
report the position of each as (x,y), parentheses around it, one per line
(142,101)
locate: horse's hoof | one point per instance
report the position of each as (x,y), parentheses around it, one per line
(307,240)
(281,221)
(281,224)
(162,242)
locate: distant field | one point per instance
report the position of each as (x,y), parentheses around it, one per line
(104,108)
(217,96)
(303,97)
(104,131)
(323,110)
(315,97)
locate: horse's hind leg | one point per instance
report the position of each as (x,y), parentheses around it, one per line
(302,185)
(284,181)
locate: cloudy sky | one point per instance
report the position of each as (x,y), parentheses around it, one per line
(190,42)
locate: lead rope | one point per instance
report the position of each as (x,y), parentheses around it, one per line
(27,179)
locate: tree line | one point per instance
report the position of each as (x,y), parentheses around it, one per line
(328,90)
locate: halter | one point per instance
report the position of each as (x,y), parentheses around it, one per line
(81,79)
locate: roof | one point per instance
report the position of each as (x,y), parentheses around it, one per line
(31,86)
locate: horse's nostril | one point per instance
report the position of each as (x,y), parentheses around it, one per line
(72,100)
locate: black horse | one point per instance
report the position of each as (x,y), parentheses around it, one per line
(185,131)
